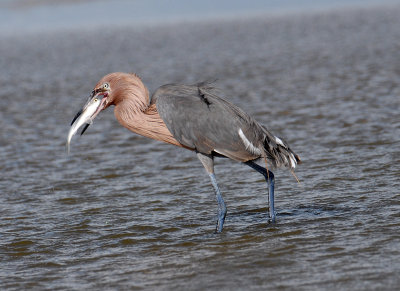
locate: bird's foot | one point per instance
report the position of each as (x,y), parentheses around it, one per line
(272,218)
(221,220)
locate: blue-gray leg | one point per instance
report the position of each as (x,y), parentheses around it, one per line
(221,204)
(208,164)
(269,177)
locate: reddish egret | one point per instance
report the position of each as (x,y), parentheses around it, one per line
(192,117)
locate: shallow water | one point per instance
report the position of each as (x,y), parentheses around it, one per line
(125,212)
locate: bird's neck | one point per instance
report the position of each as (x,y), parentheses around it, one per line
(143,118)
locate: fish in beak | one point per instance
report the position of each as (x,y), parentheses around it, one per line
(87,114)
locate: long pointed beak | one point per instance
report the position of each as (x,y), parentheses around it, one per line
(86,116)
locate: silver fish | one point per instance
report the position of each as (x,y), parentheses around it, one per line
(85,116)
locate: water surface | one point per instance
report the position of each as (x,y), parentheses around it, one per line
(126,212)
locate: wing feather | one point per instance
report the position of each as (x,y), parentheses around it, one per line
(200,119)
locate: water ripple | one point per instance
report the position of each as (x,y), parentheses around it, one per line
(125,212)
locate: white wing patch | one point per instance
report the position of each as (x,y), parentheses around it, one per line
(249,146)
(215,150)
(279,141)
(292,161)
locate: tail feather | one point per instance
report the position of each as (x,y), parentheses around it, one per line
(278,152)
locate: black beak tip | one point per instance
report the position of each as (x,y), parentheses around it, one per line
(76,116)
(84,129)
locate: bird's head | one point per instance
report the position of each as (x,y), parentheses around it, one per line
(110,90)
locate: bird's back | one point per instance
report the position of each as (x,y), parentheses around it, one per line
(201,120)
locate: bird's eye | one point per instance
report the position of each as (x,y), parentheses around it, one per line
(106,86)
(95,100)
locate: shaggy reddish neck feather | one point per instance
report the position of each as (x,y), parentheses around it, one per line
(132,108)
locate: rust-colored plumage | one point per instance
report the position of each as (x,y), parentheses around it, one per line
(133,109)
(192,117)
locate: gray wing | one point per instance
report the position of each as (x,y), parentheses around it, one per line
(199,119)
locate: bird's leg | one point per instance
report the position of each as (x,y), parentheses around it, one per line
(269,177)
(208,163)
(221,204)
